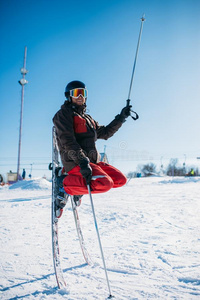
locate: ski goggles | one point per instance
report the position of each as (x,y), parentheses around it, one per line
(77,92)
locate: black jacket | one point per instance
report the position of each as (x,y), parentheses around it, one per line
(77,133)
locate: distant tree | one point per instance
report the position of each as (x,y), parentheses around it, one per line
(197,171)
(173,169)
(131,174)
(148,169)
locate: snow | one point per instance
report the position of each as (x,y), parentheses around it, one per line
(149,231)
(36,184)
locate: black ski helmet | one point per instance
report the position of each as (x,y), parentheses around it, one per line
(73,85)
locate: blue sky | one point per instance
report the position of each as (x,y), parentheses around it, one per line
(95,42)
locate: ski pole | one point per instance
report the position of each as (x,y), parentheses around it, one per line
(98,235)
(134,65)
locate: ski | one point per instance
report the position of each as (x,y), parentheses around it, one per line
(55,166)
(55,243)
(79,233)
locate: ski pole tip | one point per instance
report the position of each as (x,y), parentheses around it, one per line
(143,18)
(111,296)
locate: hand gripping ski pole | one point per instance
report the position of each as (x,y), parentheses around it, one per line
(133,71)
(100,246)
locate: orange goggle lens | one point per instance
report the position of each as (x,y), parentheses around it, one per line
(76,92)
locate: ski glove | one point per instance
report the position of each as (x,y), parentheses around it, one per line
(125,113)
(86,170)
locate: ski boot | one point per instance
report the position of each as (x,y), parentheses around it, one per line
(62,197)
(77,199)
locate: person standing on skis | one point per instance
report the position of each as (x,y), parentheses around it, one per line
(77,133)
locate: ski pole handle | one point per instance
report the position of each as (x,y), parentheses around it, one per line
(128,102)
(136,115)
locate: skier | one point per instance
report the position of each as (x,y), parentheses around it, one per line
(24,174)
(77,133)
(1,179)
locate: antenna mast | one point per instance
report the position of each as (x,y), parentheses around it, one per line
(22,82)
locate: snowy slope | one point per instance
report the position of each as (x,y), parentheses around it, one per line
(150,236)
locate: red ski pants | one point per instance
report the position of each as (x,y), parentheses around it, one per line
(104,177)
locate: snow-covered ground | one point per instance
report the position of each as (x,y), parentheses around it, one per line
(150,236)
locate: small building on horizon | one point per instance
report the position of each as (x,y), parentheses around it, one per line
(11,177)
